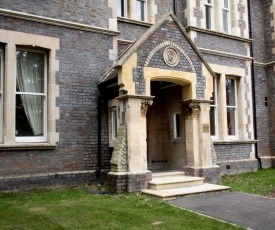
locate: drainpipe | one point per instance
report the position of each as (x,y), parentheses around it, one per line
(99,109)
(175,8)
(253,86)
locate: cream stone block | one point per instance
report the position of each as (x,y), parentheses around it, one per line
(192,142)
(208,81)
(125,74)
(133,9)
(152,11)
(186,79)
(192,35)
(204,133)
(136,135)
(9,123)
(113,23)
(189,12)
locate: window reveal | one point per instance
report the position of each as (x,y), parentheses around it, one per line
(208,14)
(231,106)
(177,125)
(114,123)
(225,15)
(213,111)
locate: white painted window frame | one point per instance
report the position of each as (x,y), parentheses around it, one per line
(235,107)
(139,14)
(209,3)
(125,5)
(176,124)
(114,123)
(215,107)
(45,110)
(227,11)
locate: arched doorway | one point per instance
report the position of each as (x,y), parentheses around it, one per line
(166,149)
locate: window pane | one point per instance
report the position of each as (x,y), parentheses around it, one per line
(230,92)
(29,115)
(225,21)
(141,7)
(118,7)
(231,127)
(226,4)
(177,126)
(121,8)
(208,17)
(212,121)
(30,72)
(114,124)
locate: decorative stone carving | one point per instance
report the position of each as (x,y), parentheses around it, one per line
(171,56)
(144,106)
(192,109)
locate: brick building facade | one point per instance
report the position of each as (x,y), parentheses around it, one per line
(125,88)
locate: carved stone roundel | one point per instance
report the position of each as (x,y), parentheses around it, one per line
(171,56)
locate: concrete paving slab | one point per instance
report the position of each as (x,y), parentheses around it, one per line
(250,211)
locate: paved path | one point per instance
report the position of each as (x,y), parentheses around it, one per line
(250,211)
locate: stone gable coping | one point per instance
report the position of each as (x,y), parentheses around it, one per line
(151,30)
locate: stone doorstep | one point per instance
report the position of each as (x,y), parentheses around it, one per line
(185,191)
(168,173)
(170,182)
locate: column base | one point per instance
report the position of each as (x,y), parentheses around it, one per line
(211,174)
(119,182)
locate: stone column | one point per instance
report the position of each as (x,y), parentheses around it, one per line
(198,141)
(133,109)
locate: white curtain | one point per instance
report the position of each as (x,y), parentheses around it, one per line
(30,79)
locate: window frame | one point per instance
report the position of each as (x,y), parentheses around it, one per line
(177,126)
(114,124)
(140,16)
(215,108)
(123,7)
(209,4)
(226,24)
(234,107)
(33,139)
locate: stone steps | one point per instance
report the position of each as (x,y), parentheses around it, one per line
(169,185)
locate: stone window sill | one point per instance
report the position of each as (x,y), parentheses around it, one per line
(132,21)
(25,146)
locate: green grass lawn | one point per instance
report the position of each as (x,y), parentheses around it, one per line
(261,182)
(75,209)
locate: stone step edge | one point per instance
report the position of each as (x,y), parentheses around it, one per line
(173,180)
(174,193)
(167,174)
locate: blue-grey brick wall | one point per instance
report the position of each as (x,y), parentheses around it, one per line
(91,12)
(130,31)
(218,43)
(235,158)
(83,58)
(168,31)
